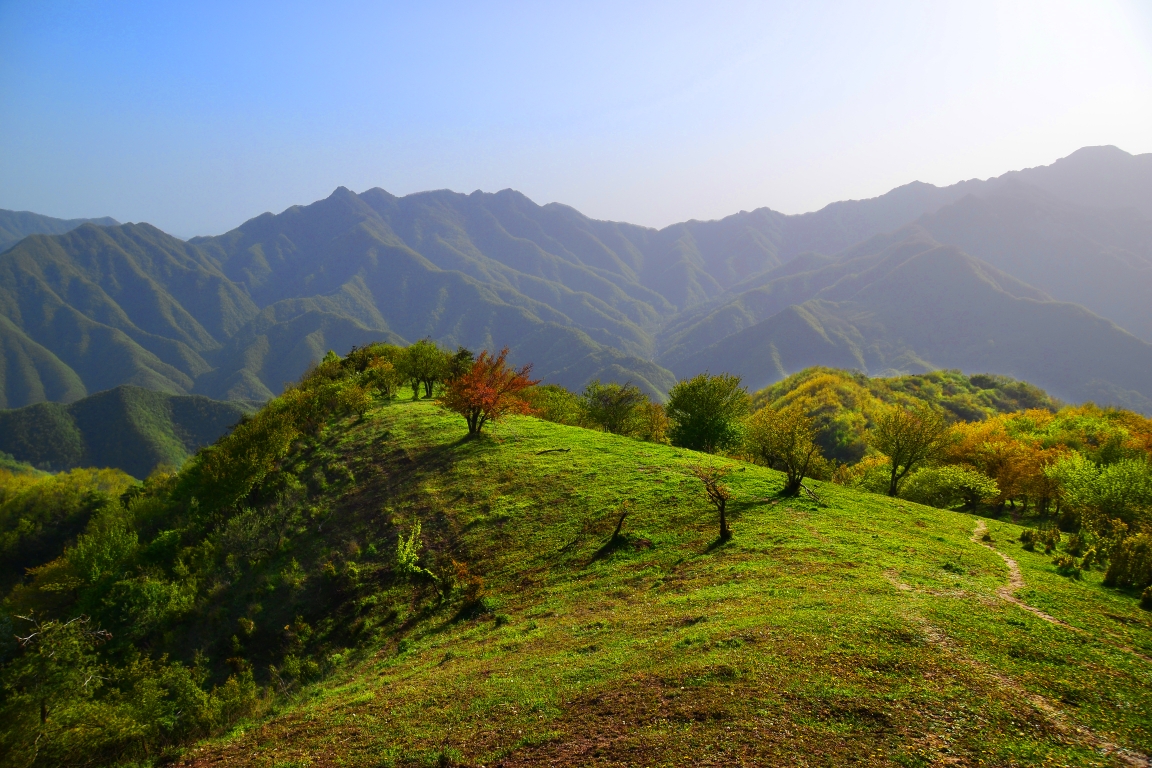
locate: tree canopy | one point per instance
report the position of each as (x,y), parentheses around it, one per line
(783,439)
(909,437)
(488,391)
(705,412)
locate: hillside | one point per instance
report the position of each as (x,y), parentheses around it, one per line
(17,225)
(843,403)
(128,428)
(1101,259)
(862,629)
(917,306)
(237,316)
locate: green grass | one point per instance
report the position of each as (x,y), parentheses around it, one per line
(863,631)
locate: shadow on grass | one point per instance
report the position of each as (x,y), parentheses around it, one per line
(718,543)
(617,542)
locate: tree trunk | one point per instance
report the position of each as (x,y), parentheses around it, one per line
(725,534)
(792,486)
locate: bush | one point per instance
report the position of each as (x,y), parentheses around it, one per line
(1131,563)
(909,438)
(654,423)
(614,408)
(1101,494)
(783,439)
(705,412)
(1146,599)
(554,403)
(1075,546)
(1066,566)
(1048,538)
(869,474)
(949,485)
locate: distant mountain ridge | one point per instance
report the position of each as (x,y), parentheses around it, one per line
(917,306)
(238,315)
(17,225)
(127,428)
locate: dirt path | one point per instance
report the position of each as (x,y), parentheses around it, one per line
(1015,581)
(1042,705)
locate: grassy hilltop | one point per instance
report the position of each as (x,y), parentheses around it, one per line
(867,630)
(861,630)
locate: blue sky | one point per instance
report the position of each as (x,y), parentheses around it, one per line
(196,117)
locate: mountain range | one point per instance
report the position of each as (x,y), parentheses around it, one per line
(126,427)
(17,225)
(1040,274)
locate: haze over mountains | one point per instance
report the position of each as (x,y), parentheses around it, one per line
(17,225)
(1041,274)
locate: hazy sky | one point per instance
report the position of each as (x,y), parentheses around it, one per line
(198,117)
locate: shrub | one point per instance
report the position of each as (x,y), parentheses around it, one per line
(654,423)
(718,494)
(614,408)
(382,378)
(1028,539)
(554,403)
(471,584)
(909,438)
(426,364)
(1131,563)
(705,412)
(408,555)
(1075,545)
(946,486)
(869,474)
(1146,599)
(1066,566)
(488,391)
(1101,494)
(38,519)
(783,439)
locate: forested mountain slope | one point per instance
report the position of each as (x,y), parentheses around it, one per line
(16,225)
(1101,259)
(926,307)
(126,428)
(238,315)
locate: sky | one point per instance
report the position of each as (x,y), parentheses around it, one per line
(198,116)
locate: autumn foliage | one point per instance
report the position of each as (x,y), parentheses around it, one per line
(487,391)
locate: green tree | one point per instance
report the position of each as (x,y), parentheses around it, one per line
(425,364)
(459,362)
(783,439)
(909,438)
(705,412)
(615,408)
(948,485)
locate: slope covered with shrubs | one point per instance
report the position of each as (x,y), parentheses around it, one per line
(348,574)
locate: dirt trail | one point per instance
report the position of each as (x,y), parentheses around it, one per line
(1042,705)
(1015,581)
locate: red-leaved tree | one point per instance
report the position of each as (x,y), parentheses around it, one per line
(488,390)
